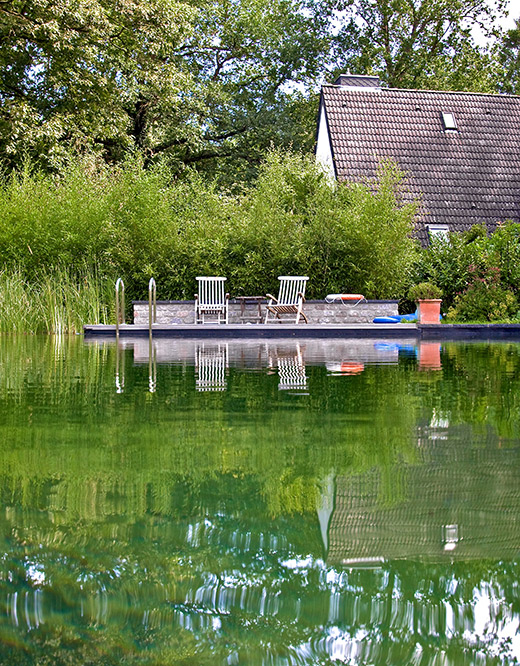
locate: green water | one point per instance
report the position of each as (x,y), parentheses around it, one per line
(259,503)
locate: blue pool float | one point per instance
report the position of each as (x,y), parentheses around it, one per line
(397,319)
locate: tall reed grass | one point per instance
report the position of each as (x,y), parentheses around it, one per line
(57,300)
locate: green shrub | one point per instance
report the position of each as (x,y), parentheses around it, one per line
(485,299)
(346,238)
(424,290)
(139,223)
(451,263)
(381,252)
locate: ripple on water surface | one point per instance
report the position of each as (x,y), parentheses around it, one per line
(281,502)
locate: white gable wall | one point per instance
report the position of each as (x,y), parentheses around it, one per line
(323,149)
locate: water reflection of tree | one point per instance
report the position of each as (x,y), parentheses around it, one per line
(287,441)
(222,581)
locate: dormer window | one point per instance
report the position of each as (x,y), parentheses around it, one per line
(438,231)
(449,121)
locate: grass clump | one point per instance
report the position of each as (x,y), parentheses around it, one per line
(54,301)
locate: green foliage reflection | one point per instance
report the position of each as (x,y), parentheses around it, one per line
(182,527)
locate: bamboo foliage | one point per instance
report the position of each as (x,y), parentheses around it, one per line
(139,223)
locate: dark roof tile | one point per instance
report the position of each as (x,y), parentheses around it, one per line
(466,176)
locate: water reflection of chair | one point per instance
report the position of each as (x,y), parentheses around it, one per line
(211,363)
(291,368)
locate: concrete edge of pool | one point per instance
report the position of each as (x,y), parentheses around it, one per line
(230,331)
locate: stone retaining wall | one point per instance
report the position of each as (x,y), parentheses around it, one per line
(318,312)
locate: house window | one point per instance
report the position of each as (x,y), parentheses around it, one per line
(449,121)
(438,231)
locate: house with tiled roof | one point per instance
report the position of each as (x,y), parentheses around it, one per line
(460,151)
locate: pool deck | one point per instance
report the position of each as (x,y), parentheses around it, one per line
(230,331)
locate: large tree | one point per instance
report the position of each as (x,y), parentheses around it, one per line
(71,69)
(244,58)
(509,57)
(418,43)
(199,80)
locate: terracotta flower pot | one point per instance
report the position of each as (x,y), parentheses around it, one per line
(429,310)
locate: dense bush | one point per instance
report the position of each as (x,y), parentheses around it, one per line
(484,299)
(60,235)
(138,223)
(479,274)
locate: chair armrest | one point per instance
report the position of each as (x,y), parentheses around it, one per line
(273,298)
(301,295)
(226,297)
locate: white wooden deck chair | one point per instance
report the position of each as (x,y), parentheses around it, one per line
(291,297)
(211,364)
(211,300)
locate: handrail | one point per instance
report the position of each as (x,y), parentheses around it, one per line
(152,304)
(152,319)
(120,303)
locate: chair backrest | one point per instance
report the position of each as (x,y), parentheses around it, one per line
(211,290)
(290,287)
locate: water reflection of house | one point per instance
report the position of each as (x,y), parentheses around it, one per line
(460,504)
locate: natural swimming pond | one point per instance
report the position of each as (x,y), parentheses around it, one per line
(249,502)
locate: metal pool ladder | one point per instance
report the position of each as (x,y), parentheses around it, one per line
(152,304)
(120,304)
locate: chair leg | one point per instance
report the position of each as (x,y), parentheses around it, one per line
(299,314)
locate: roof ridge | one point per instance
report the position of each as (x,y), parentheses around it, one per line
(422,90)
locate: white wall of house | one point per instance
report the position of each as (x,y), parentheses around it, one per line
(323,149)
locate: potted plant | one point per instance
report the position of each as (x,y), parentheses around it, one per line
(428,297)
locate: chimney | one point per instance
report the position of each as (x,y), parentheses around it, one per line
(355,82)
